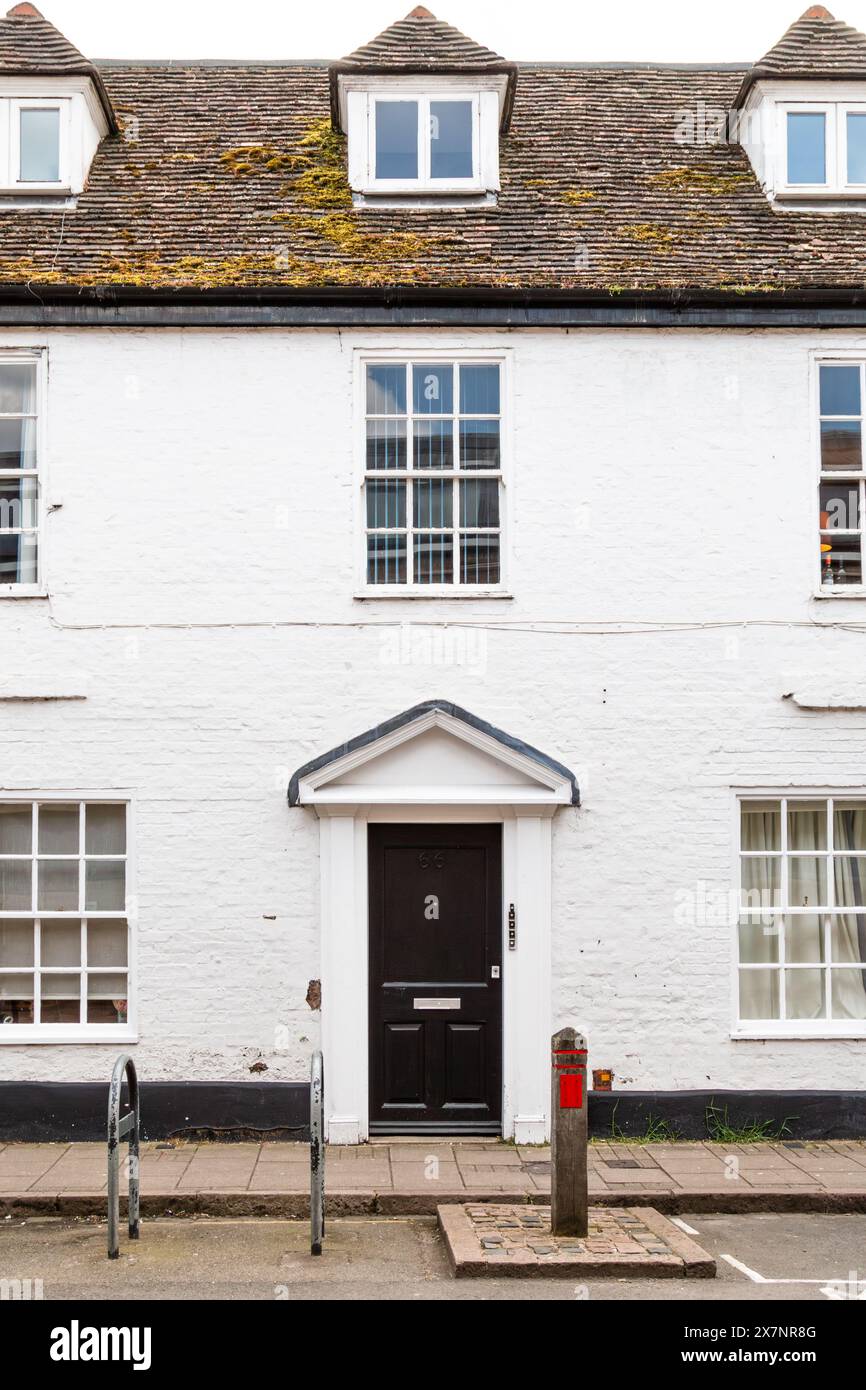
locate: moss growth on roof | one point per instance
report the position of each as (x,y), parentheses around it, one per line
(577,196)
(345,233)
(651,233)
(700,179)
(264,268)
(246,160)
(762,287)
(322,188)
(322,183)
(319,169)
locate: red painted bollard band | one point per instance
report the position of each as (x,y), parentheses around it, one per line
(570,1066)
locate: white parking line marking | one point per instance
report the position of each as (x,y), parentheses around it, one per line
(744,1269)
(836,1289)
(684,1226)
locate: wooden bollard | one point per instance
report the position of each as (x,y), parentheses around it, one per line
(569,1194)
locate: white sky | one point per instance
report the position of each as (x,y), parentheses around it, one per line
(582,30)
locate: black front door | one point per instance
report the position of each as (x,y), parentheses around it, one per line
(435,978)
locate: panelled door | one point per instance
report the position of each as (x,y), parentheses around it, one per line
(435,978)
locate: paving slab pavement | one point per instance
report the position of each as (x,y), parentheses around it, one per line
(399,1177)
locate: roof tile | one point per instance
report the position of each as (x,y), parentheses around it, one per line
(231,176)
(420,41)
(816,45)
(28,43)
(236,179)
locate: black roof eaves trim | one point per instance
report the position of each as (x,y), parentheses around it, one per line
(85,69)
(29,306)
(759,74)
(411,716)
(431,297)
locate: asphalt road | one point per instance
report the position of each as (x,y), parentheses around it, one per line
(394,1258)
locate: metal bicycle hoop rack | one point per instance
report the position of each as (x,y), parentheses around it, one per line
(317,1153)
(119,1129)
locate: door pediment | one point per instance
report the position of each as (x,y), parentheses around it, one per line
(434,753)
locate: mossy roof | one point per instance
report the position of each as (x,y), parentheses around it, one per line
(228,175)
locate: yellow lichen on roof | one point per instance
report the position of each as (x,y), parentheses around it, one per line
(652,232)
(245,160)
(700,179)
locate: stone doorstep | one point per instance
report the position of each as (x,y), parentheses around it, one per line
(609,1254)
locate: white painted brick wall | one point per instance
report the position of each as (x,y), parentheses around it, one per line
(658,478)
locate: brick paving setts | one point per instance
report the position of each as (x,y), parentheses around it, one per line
(503,1230)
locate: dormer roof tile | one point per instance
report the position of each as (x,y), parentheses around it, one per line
(421,43)
(816,46)
(31,46)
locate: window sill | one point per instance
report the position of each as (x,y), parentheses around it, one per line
(835,202)
(425,198)
(849,591)
(17,1034)
(432,591)
(801,1033)
(8,190)
(18,591)
(817,193)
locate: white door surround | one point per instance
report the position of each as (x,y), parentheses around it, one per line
(436,762)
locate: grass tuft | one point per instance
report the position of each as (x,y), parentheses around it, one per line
(721,1131)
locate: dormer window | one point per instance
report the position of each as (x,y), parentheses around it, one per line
(54,111)
(422,141)
(428,140)
(37,143)
(801,116)
(423,107)
(824,147)
(807,147)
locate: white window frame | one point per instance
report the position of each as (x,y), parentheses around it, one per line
(12,144)
(761,1029)
(835,114)
(810,108)
(424,181)
(39,358)
(846,109)
(14,1035)
(455,590)
(844,358)
(359,94)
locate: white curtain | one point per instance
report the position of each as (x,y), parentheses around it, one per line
(804,931)
(849,932)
